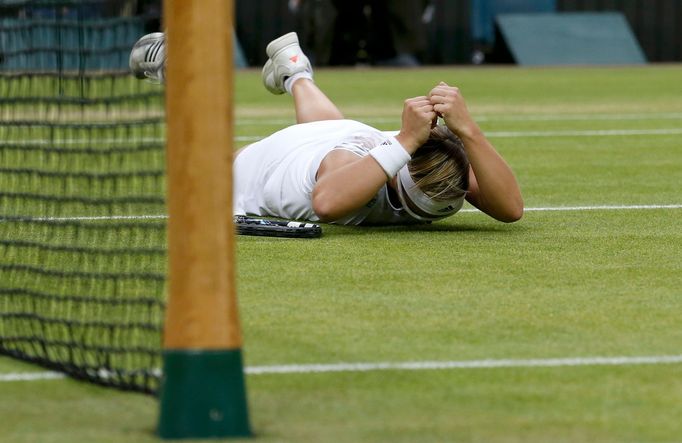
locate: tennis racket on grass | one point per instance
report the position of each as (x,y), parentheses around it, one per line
(275,228)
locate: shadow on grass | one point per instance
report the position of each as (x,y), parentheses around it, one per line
(437,228)
(336,231)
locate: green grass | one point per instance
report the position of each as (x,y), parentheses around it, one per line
(557,284)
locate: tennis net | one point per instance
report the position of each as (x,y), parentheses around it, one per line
(82,224)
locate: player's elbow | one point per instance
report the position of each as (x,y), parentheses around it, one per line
(513,213)
(331,204)
(325,209)
(514,216)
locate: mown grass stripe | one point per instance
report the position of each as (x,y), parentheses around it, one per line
(566,133)
(490,134)
(498,118)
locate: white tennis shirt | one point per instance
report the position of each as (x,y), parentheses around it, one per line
(275,176)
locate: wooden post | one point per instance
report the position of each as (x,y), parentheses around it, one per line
(203,392)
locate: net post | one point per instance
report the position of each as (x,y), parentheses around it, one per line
(203,391)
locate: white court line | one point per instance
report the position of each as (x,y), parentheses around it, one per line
(31,376)
(95,218)
(471,364)
(415,366)
(592,208)
(469,210)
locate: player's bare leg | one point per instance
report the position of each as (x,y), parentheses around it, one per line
(288,70)
(311,103)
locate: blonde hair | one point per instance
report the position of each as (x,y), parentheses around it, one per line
(440,168)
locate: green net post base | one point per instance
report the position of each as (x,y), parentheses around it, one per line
(203,395)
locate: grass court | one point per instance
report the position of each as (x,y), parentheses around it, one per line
(528,332)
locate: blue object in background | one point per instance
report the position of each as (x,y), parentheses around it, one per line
(570,38)
(49,45)
(484,12)
(238,56)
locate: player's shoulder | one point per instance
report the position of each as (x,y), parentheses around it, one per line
(335,159)
(345,123)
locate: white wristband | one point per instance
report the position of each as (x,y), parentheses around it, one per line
(391,156)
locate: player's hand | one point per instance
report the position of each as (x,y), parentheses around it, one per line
(448,103)
(418,115)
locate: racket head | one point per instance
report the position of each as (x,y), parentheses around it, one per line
(275,228)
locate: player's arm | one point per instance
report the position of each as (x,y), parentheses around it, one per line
(346,182)
(492,186)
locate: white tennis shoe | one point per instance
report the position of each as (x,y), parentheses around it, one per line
(148,57)
(285,59)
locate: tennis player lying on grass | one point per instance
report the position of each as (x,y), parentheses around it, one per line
(329,169)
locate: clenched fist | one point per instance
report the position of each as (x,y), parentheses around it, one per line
(448,103)
(418,116)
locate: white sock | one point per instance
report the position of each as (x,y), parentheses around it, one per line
(289,82)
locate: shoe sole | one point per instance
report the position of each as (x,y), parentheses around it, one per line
(280,43)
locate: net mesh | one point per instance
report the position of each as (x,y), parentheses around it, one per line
(82,225)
